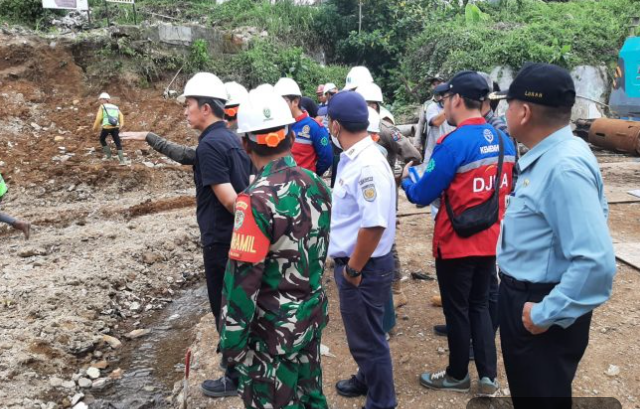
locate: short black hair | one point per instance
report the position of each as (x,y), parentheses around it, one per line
(217,105)
(555,116)
(471,103)
(264,150)
(354,127)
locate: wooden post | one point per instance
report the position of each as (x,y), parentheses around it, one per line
(106,7)
(135,17)
(359,16)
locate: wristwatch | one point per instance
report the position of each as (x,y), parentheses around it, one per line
(352,272)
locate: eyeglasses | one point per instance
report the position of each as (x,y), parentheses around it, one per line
(446,96)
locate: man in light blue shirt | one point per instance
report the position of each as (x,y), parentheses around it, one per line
(555,253)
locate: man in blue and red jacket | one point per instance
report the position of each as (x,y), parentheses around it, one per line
(463,167)
(312,148)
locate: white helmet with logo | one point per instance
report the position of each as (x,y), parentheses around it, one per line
(330,86)
(287,86)
(263,88)
(263,110)
(358,76)
(370,92)
(204,84)
(104,95)
(374,121)
(385,114)
(237,94)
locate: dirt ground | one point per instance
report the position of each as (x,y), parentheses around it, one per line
(113,245)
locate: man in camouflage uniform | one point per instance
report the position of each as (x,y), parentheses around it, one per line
(275,307)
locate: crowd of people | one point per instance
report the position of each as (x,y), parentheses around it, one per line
(520,242)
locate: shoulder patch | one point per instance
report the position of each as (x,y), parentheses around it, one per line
(305,132)
(248,244)
(369,192)
(396,135)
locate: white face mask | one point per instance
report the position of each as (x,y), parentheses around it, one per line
(335,140)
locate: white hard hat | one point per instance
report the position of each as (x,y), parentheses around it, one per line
(263,110)
(264,88)
(374,121)
(287,86)
(358,76)
(237,93)
(385,114)
(204,84)
(370,92)
(104,95)
(329,86)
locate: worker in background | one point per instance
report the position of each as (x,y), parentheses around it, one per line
(221,169)
(275,305)
(463,171)
(397,145)
(312,149)
(422,129)
(330,89)
(363,226)
(322,103)
(109,120)
(237,95)
(555,255)
(24,227)
(356,77)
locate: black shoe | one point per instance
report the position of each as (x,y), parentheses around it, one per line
(351,388)
(440,330)
(219,388)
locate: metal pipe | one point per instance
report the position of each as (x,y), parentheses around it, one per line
(616,135)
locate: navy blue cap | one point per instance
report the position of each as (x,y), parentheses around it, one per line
(468,84)
(542,84)
(441,89)
(348,107)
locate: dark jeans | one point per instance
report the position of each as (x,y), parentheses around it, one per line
(540,368)
(362,309)
(464,287)
(494,290)
(115,134)
(215,264)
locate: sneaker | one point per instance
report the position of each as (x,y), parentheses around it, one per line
(219,388)
(442,381)
(488,388)
(440,330)
(351,388)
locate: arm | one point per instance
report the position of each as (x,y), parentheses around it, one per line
(226,195)
(368,239)
(437,120)
(5,218)
(417,135)
(98,121)
(120,119)
(408,152)
(184,155)
(575,214)
(441,170)
(322,146)
(435,115)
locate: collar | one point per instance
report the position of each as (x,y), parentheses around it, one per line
(212,127)
(304,115)
(545,145)
(356,149)
(473,121)
(278,165)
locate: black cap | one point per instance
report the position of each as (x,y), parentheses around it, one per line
(441,89)
(348,107)
(468,84)
(542,84)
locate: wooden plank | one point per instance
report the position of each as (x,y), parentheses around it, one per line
(629,253)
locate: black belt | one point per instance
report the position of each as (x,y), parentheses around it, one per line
(525,285)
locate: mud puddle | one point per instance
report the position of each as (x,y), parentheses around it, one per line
(153,364)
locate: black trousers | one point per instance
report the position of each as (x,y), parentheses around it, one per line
(540,368)
(464,287)
(215,264)
(115,134)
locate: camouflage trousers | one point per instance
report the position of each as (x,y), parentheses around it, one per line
(283,381)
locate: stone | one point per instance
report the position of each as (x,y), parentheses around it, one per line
(76,101)
(116,374)
(81,405)
(55,381)
(30,252)
(613,370)
(149,164)
(135,306)
(84,383)
(99,383)
(93,373)
(35,126)
(101,364)
(112,341)
(138,333)
(151,258)
(77,398)
(68,384)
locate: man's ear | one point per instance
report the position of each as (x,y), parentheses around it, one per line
(526,114)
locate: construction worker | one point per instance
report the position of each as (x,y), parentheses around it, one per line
(396,145)
(312,149)
(356,77)
(322,99)
(330,89)
(421,131)
(461,171)
(363,226)
(24,227)
(237,95)
(109,119)
(275,306)
(555,254)
(221,169)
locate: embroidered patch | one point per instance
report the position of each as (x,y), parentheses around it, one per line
(431,166)
(396,135)
(324,141)
(305,132)
(369,193)
(488,135)
(248,244)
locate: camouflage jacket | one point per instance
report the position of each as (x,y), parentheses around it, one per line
(273,297)
(396,145)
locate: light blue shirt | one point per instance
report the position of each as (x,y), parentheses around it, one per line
(364,196)
(555,229)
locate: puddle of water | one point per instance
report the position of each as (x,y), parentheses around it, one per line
(155,362)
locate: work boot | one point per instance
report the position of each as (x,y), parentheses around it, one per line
(442,381)
(121,158)
(107,152)
(219,388)
(351,388)
(399,299)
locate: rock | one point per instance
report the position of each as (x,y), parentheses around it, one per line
(112,341)
(324,351)
(68,384)
(84,383)
(613,371)
(149,388)
(76,101)
(101,365)
(93,373)
(135,306)
(149,164)
(99,383)
(35,126)
(440,351)
(116,374)
(81,405)
(59,138)
(77,398)
(55,381)
(151,258)
(30,252)
(138,333)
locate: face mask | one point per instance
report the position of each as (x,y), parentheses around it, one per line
(336,142)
